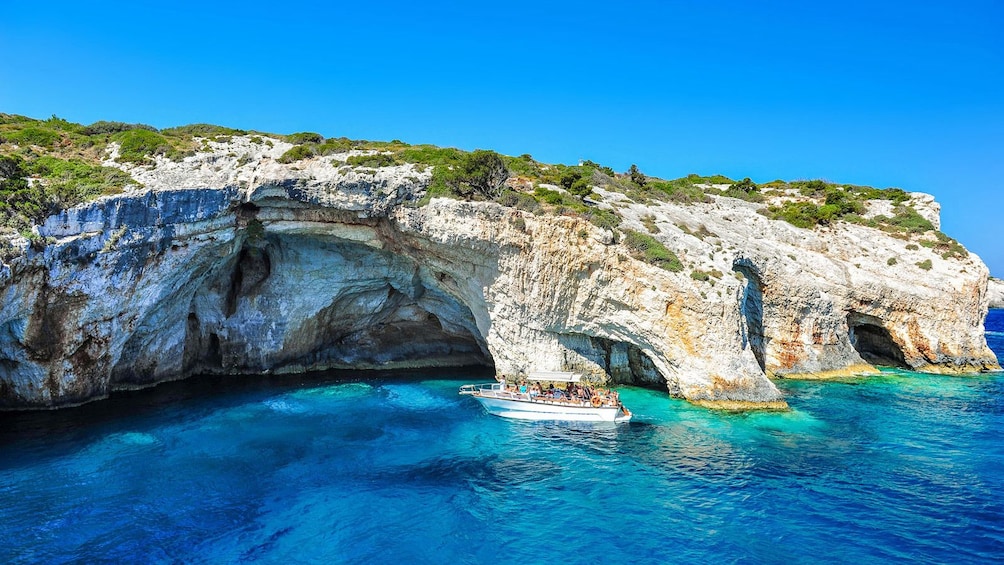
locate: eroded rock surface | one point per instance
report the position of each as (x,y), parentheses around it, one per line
(252,266)
(996,291)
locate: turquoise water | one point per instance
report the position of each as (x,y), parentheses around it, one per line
(900,467)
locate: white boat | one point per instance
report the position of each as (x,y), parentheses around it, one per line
(504,401)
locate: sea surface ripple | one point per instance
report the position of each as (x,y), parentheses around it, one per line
(899,467)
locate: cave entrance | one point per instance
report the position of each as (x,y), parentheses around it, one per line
(874,343)
(751,308)
(297,304)
(624,362)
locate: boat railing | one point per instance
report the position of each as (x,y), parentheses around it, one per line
(503,394)
(481,388)
(501,391)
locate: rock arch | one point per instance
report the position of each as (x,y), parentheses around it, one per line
(302,302)
(873,342)
(622,361)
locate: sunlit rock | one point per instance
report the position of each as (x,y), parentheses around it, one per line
(224,266)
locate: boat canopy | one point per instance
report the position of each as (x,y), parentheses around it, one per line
(556,376)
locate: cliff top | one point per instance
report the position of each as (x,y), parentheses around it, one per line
(49,165)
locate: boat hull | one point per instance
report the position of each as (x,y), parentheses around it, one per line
(545,410)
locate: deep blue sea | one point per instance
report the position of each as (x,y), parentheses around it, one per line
(900,467)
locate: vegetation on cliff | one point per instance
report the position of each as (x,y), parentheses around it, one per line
(47,165)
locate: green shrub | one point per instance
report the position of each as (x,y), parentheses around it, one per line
(296,153)
(896,195)
(713,179)
(891,261)
(907,219)
(373,161)
(524,165)
(602,218)
(798,214)
(481,173)
(815,188)
(679,190)
(202,130)
(651,250)
(842,203)
(637,176)
(103,127)
(333,145)
(304,137)
(549,196)
(137,145)
(21,203)
(431,155)
(948,247)
(925,264)
(62,183)
(576,180)
(700,275)
(41,136)
(751,196)
(55,122)
(71,181)
(745,185)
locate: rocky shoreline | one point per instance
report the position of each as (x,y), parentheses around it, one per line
(222,267)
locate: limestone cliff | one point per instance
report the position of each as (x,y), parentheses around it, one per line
(996,291)
(227,264)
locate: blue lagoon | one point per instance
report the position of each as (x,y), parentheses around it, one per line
(898,467)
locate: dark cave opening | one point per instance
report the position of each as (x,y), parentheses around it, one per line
(751,308)
(874,344)
(624,362)
(253,266)
(382,326)
(380,312)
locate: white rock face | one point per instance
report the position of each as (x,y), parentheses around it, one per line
(230,262)
(927,207)
(995,290)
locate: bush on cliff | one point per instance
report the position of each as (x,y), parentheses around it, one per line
(202,130)
(296,153)
(104,128)
(373,161)
(305,137)
(651,250)
(682,191)
(71,181)
(138,145)
(42,137)
(55,184)
(745,189)
(21,202)
(907,219)
(480,174)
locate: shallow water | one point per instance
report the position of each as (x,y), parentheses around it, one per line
(400,469)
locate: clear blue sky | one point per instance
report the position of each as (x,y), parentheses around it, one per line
(907,94)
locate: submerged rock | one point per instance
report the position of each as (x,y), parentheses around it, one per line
(260,267)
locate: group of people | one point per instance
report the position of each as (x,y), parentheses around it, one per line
(573,392)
